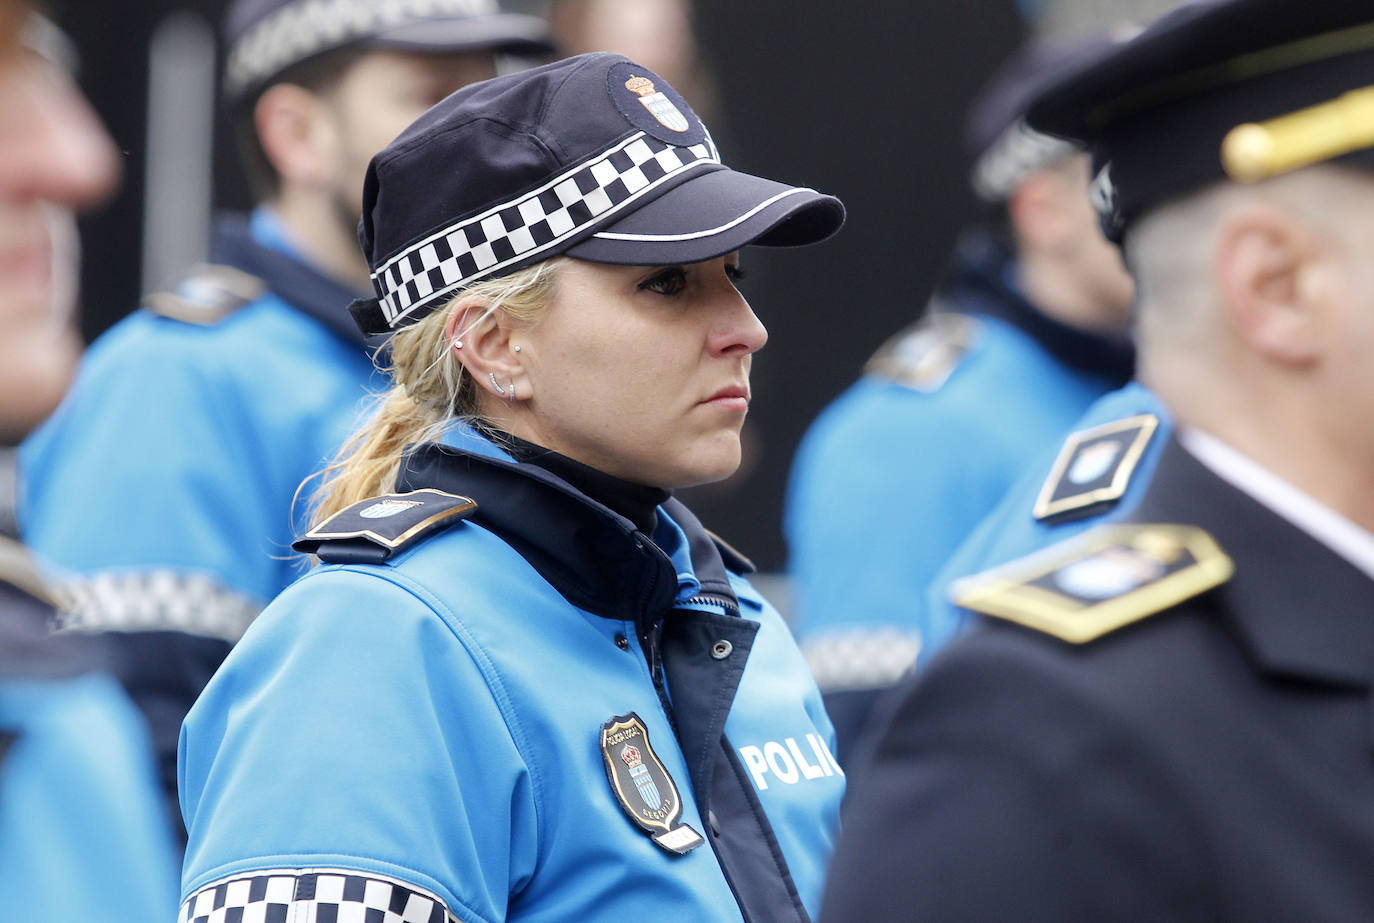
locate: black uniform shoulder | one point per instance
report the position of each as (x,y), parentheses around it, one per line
(1100,581)
(207,295)
(373,530)
(1094,468)
(923,356)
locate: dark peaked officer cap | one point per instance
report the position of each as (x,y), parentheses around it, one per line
(265,37)
(593,156)
(1238,89)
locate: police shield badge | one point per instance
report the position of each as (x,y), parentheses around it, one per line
(659,106)
(642,785)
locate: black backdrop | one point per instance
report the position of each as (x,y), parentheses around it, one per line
(862,99)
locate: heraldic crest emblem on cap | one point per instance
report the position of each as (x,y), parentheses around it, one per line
(659,106)
(642,785)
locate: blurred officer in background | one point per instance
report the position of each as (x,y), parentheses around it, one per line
(1024,334)
(1168,717)
(163,487)
(82,834)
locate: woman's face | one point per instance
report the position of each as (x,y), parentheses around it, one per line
(642,372)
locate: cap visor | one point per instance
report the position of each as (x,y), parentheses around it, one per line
(502,32)
(713,214)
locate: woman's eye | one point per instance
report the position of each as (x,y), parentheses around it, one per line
(668,282)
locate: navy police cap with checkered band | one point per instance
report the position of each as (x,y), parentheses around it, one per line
(1226,89)
(265,37)
(593,156)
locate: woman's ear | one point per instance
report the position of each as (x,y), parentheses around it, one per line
(480,336)
(1271,273)
(295,132)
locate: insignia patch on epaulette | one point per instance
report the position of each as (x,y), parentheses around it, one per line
(642,785)
(1095,466)
(207,295)
(375,529)
(923,356)
(1100,581)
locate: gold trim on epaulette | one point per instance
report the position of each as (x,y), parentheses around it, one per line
(924,355)
(319,533)
(1046,506)
(239,287)
(1256,151)
(17,568)
(1100,581)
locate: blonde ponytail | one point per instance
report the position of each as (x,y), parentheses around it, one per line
(430,389)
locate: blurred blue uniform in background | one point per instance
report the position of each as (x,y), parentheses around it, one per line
(162,489)
(1025,333)
(82,835)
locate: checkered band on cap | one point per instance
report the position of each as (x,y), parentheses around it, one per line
(307,27)
(280,895)
(535,222)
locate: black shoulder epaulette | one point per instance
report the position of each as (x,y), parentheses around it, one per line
(733,558)
(924,355)
(1099,581)
(209,293)
(1094,467)
(375,529)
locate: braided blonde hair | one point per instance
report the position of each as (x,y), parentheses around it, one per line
(430,389)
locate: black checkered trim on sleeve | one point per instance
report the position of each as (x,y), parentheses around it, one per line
(314,895)
(155,600)
(516,230)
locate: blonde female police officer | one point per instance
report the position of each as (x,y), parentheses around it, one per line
(527,684)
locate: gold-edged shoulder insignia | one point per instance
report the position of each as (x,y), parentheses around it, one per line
(377,528)
(207,295)
(924,355)
(1100,581)
(1094,467)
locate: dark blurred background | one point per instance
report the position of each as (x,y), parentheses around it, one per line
(862,99)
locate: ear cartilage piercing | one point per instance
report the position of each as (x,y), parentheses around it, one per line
(457,344)
(499,389)
(517,349)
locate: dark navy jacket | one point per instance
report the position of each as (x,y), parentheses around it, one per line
(162,489)
(1208,762)
(427,722)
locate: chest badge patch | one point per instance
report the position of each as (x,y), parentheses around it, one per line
(642,785)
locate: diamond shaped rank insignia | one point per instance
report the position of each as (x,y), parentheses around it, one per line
(642,785)
(1100,581)
(377,528)
(1094,467)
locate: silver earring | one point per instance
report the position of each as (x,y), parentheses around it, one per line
(499,389)
(517,349)
(457,344)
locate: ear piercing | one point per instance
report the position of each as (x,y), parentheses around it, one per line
(457,344)
(499,389)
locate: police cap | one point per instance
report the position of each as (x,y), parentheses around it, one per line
(593,156)
(265,37)
(1236,89)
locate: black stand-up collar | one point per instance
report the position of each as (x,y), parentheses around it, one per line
(595,557)
(980,281)
(305,289)
(1300,608)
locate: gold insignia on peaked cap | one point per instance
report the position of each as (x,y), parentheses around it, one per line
(1256,151)
(1100,581)
(1095,466)
(640,86)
